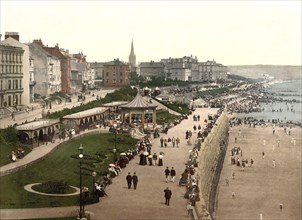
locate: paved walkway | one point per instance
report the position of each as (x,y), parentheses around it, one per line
(37,112)
(147,201)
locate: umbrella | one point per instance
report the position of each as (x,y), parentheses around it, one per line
(112,165)
(123,154)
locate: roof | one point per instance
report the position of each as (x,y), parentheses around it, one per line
(113,104)
(37,124)
(87,113)
(139,102)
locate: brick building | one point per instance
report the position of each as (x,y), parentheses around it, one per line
(116,74)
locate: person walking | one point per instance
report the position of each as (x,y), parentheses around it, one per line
(160,159)
(134,180)
(173,142)
(154,157)
(167,174)
(129,180)
(172,174)
(168,194)
(177,141)
(281,206)
(161,142)
(226,181)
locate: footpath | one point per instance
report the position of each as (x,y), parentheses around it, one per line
(147,201)
(36,111)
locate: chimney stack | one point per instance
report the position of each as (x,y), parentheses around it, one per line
(39,42)
(14,35)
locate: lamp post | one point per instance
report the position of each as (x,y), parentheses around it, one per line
(93,181)
(82,211)
(114,150)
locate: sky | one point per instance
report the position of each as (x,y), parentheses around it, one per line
(229,32)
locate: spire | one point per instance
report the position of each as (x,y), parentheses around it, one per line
(132,57)
(132,49)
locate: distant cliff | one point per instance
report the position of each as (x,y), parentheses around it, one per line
(257,71)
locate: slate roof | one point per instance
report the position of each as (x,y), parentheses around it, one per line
(139,102)
(37,124)
(86,113)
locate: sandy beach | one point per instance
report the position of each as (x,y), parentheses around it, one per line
(259,190)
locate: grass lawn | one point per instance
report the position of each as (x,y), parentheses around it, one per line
(62,164)
(165,117)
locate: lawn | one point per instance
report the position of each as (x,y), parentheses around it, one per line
(62,164)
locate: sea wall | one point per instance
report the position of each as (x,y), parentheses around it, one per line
(210,162)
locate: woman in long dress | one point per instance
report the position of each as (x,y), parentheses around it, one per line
(160,160)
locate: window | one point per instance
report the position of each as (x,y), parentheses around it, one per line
(107,74)
(9,84)
(121,81)
(121,74)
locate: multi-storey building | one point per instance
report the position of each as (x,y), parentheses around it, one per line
(211,71)
(180,68)
(98,68)
(65,66)
(11,75)
(12,38)
(77,75)
(116,74)
(151,69)
(46,74)
(82,75)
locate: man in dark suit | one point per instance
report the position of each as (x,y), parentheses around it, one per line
(168,194)
(134,180)
(129,180)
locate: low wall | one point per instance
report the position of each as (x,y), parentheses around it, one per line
(210,162)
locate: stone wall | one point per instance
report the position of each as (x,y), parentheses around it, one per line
(210,162)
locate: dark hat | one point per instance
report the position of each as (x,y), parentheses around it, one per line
(134,172)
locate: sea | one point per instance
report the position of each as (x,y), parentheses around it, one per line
(285,111)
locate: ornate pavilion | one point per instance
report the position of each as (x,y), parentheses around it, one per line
(139,112)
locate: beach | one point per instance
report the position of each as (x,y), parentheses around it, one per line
(271,188)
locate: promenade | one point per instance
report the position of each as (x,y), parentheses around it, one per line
(147,201)
(36,113)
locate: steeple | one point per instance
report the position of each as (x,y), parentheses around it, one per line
(132,57)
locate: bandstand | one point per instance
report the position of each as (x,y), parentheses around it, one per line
(139,112)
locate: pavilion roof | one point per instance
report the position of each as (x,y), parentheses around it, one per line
(139,102)
(34,125)
(87,113)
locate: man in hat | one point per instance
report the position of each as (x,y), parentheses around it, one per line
(172,174)
(134,180)
(129,180)
(168,194)
(167,174)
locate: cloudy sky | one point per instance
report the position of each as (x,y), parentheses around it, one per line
(231,32)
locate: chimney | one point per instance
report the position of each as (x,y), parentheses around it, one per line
(14,35)
(39,42)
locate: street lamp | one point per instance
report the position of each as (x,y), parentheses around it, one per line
(114,150)
(93,181)
(82,211)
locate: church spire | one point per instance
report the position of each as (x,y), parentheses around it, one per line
(132,57)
